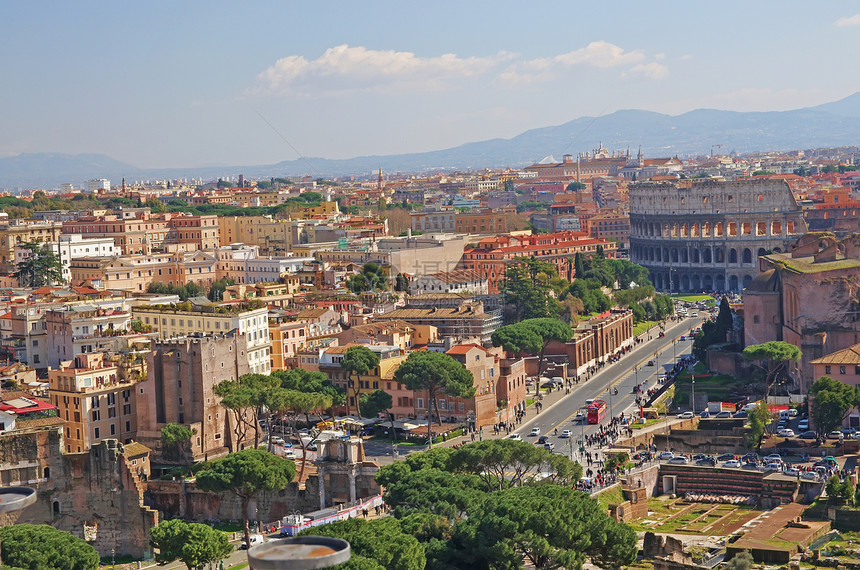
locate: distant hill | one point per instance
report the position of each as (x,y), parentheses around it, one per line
(693,133)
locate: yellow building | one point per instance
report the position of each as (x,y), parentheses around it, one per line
(136,272)
(324,209)
(17,232)
(93,401)
(270,234)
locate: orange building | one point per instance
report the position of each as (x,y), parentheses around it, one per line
(491,256)
(142,232)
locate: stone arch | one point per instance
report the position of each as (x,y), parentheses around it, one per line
(674,230)
(733,229)
(708,282)
(720,282)
(55,507)
(733,283)
(706,229)
(756,319)
(746,229)
(695,255)
(761,251)
(685,282)
(718,229)
(747,256)
(706,255)
(674,258)
(747,281)
(684,258)
(776,228)
(719,255)
(695,283)
(777,250)
(685,230)
(733,255)
(694,230)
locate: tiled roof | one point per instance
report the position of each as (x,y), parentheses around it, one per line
(850,355)
(134,449)
(458,276)
(464,348)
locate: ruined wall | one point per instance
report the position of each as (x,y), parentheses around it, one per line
(95,489)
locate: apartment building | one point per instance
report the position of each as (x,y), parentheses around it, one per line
(136,272)
(269,234)
(482,222)
(18,232)
(23,334)
(244,265)
(181,376)
(185,320)
(71,330)
(93,401)
(288,337)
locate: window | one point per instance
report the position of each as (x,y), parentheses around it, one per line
(113,429)
(419,403)
(111,398)
(95,401)
(127,426)
(96,415)
(111,412)
(96,433)
(827,370)
(842,370)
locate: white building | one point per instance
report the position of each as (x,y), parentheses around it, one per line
(460,281)
(73,246)
(245,265)
(98,184)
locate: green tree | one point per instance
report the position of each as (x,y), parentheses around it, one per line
(435,372)
(772,358)
(759,419)
(177,442)
(216,291)
(156,206)
(840,492)
(548,526)
(741,561)
(371,278)
(830,402)
(576,187)
(193,544)
(43,547)
(245,474)
(381,540)
(358,360)
(247,398)
(375,403)
(578,265)
(310,382)
(532,336)
(40,267)
(527,290)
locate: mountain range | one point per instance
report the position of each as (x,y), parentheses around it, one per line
(832,124)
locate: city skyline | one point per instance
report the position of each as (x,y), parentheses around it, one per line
(206,84)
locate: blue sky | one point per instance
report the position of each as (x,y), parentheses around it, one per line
(180,84)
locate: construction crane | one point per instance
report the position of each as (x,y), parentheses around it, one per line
(719,146)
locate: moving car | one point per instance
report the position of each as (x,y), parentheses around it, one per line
(726,457)
(650,363)
(566,433)
(725,414)
(705,414)
(686,415)
(741,414)
(679,460)
(732,463)
(515,437)
(535,432)
(791,472)
(707,462)
(542,440)
(665,455)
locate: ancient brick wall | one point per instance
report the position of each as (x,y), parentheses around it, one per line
(94,489)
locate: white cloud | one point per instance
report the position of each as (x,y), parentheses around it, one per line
(659,56)
(350,69)
(686,57)
(652,70)
(346,68)
(847,22)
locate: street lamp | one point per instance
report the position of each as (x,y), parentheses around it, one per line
(693,378)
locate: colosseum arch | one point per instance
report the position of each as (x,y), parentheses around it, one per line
(695,255)
(684,258)
(706,229)
(695,283)
(733,255)
(720,282)
(718,229)
(685,230)
(747,257)
(733,229)
(674,258)
(708,283)
(747,280)
(761,251)
(706,255)
(694,230)
(719,255)
(733,283)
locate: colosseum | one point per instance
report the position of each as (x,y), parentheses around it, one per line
(706,235)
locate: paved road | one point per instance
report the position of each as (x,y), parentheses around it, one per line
(631,370)
(559,408)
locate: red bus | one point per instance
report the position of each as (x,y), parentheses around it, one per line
(596,412)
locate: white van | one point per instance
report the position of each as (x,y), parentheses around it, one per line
(255,540)
(751,406)
(785,414)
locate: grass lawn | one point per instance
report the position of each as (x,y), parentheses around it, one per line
(613,496)
(229,527)
(693,298)
(642,327)
(646,424)
(718,387)
(529,402)
(238,566)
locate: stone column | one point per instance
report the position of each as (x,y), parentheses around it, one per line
(352,493)
(321,476)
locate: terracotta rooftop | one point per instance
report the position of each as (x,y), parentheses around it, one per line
(850,355)
(135,449)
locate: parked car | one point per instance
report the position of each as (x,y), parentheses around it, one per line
(707,462)
(741,414)
(686,415)
(665,455)
(809,475)
(515,437)
(750,457)
(772,457)
(807,435)
(642,456)
(849,431)
(773,466)
(732,463)
(725,414)
(566,433)
(726,457)
(254,539)
(835,435)
(830,460)
(705,414)
(790,472)
(535,432)
(679,460)
(698,456)
(803,425)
